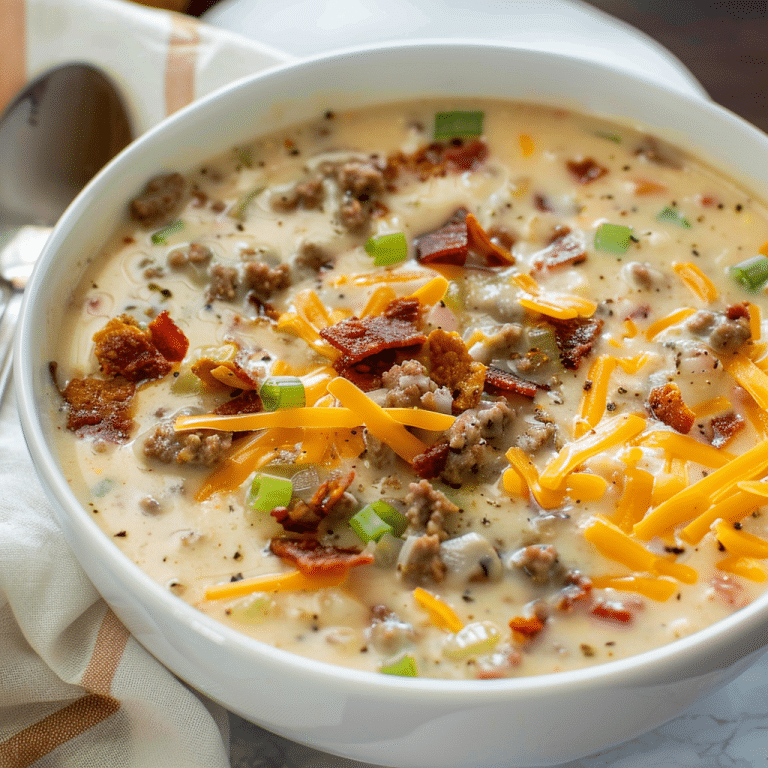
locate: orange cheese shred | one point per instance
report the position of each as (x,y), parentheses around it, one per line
(292,581)
(749,376)
(661,588)
(440,613)
(740,543)
(746,567)
(696,281)
(594,399)
(559,306)
(673,318)
(378,301)
(610,432)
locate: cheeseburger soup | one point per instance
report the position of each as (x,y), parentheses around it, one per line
(438,389)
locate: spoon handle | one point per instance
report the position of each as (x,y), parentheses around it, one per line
(7,332)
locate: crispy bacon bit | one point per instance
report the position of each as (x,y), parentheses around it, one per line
(223,375)
(169,339)
(527,627)
(542,203)
(645,187)
(666,405)
(432,462)
(586,171)
(497,379)
(450,365)
(724,428)
(737,311)
(437,159)
(314,559)
(124,349)
(100,407)
(395,328)
(459,237)
(246,402)
(460,157)
(305,517)
(564,250)
(729,590)
(577,589)
(574,339)
(613,610)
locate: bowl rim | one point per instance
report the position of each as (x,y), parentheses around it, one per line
(702,642)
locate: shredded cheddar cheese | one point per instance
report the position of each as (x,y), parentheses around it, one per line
(673,318)
(660,588)
(594,399)
(696,281)
(440,613)
(293,581)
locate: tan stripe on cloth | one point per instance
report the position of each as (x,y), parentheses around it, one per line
(180,63)
(40,739)
(13,49)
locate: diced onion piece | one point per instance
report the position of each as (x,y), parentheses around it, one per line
(449,125)
(474,639)
(440,613)
(672,216)
(368,525)
(751,273)
(391,248)
(292,581)
(404,667)
(161,236)
(379,423)
(268,492)
(278,392)
(612,238)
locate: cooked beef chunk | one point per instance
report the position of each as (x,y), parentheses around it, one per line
(160,200)
(194,253)
(307,194)
(225,281)
(265,280)
(720,331)
(419,561)
(203,447)
(427,509)
(539,561)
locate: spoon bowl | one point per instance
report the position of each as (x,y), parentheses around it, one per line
(54,137)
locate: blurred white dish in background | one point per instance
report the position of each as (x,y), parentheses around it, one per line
(308,27)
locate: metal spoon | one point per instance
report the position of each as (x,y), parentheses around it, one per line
(56,134)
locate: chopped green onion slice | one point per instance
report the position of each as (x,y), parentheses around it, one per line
(673,216)
(752,274)
(396,520)
(238,210)
(279,392)
(268,492)
(612,238)
(161,236)
(405,667)
(449,125)
(614,137)
(103,487)
(368,525)
(387,249)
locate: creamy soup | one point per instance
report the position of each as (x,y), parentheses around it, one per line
(440,389)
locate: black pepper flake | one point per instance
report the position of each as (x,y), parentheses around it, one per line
(237,577)
(237,555)
(674,550)
(121,534)
(587,650)
(587,385)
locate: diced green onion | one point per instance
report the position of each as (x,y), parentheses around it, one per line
(449,125)
(368,525)
(614,137)
(397,520)
(612,238)
(268,492)
(673,216)
(253,609)
(387,249)
(103,487)
(238,210)
(161,236)
(278,392)
(405,667)
(752,274)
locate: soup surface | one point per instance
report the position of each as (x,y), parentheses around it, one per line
(448,389)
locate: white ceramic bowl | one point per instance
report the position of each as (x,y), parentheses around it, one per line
(378,718)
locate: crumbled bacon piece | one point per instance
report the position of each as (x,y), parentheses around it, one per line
(724,428)
(526,626)
(562,251)
(497,379)
(622,611)
(395,328)
(576,590)
(124,349)
(314,559)
(451,365)
(305,517)
(459,237)
(100,407)
(587,170)
(667,405)
(437,159)
(168,338)
(460,157)
(432,462)
(737,311)
(246,402)
(574,339)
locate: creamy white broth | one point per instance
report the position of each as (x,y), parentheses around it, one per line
(524,186)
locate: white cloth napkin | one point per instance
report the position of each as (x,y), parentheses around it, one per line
(75,688)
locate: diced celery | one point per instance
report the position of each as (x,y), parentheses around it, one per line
(449,125)
(268,492)
(612,238)
(387,249)
(752,273)
(404,666)
(368,525)
(279,392)
(391,516)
